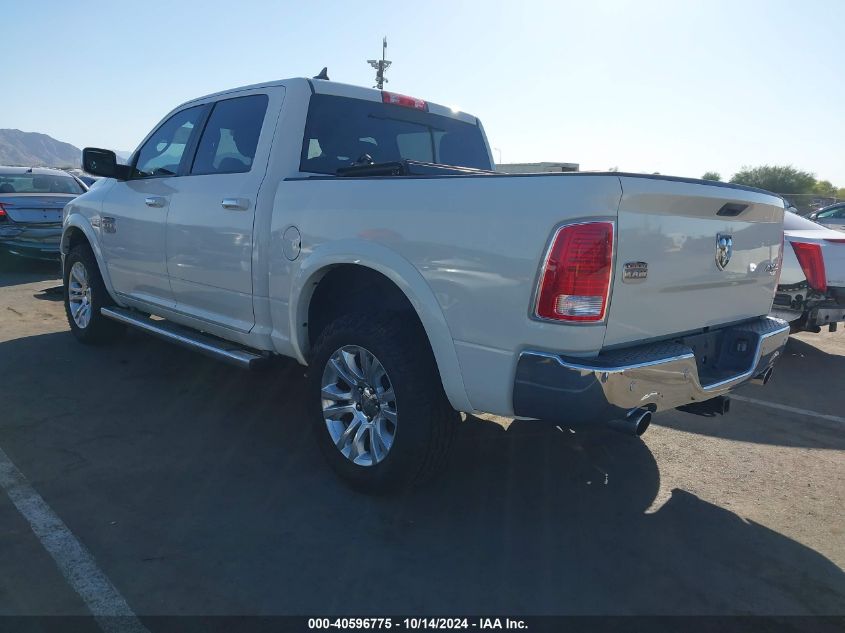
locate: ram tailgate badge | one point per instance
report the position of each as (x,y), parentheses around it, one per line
(724,250)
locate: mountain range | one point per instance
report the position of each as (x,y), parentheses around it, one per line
(31,149)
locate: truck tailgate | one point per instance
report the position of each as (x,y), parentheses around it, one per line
(667,278)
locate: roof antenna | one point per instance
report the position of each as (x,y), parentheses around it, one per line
(324,74)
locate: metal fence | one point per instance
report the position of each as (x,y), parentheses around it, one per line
(809,202)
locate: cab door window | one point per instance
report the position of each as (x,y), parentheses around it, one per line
(230,139)
(162,154)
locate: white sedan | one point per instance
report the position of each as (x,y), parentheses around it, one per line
(811,291)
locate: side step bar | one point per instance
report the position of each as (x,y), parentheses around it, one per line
(209,345)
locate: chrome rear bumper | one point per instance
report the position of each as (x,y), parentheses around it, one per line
(655,376)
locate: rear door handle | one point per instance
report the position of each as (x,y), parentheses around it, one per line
(235,204)
(155,201)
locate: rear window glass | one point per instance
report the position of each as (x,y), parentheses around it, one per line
(230,138)
(38,183)
(341,132)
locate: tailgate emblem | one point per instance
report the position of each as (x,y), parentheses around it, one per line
(634,272)
(724,249)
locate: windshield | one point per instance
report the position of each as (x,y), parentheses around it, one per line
(340,132)
(833,212)
(39,183)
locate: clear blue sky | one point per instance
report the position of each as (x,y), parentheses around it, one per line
(678,87)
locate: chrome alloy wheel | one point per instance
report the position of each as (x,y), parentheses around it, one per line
(79,295)
(359,406)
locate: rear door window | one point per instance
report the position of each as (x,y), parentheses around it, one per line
(230,138)
(341,132)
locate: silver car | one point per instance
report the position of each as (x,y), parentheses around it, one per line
(832,216)
(31,203)
(811,290)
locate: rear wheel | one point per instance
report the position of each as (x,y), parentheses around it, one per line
(85,293)
(382,419)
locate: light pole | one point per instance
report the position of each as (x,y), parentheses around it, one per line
(381,65)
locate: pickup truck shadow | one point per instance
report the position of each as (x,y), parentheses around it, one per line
(805,377)
(199,489)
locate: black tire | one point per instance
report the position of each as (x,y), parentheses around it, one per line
(99,329)
(425,419)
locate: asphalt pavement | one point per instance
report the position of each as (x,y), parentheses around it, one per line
(196,488)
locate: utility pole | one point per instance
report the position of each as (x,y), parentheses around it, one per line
(381,65)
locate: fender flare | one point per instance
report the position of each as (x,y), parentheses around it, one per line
(77,221)
(406,277)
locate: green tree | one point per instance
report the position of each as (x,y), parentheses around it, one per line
(825,188)
(776,178)
(711,175)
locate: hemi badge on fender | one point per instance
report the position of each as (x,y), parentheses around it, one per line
(634,272)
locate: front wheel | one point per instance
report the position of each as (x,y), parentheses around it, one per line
(84,294)
(382,420)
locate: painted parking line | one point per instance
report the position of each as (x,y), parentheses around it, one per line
(783,407)
(76,564)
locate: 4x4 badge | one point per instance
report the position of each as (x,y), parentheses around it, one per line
(724,249)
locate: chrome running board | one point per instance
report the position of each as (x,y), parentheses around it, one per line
(211,346)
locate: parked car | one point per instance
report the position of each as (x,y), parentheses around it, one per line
(832,216)
(811,291)
(87,179)
(31,203)
(364,234)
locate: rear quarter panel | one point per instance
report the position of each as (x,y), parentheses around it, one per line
(476,244)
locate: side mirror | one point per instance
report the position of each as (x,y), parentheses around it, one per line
(103,162)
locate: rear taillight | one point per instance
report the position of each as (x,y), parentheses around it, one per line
(404,101)
(575,281)
(812,263)
(3,216)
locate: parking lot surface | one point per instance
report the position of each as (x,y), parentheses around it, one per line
(197,489)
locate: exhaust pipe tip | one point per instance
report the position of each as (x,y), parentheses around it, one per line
(765,377)
(636,423)
(643,420)
(768,375)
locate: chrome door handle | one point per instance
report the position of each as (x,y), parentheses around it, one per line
(235,204)
(155,201)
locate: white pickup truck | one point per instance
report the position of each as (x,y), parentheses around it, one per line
(364,234)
